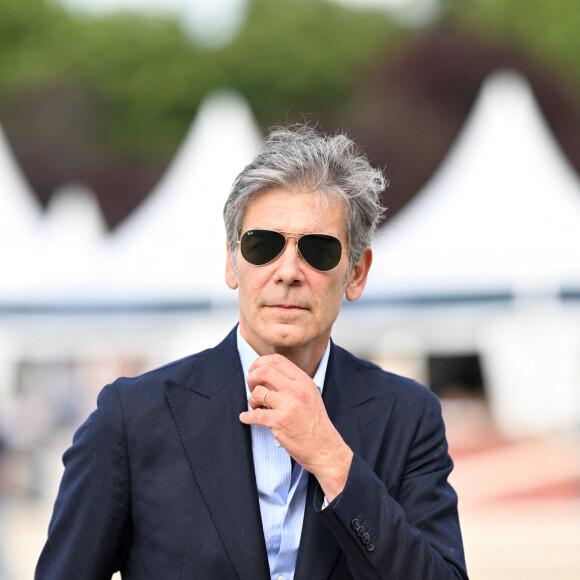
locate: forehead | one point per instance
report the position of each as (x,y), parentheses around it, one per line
(296,212)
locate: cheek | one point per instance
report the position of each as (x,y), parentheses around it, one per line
(331,299)
(249,288)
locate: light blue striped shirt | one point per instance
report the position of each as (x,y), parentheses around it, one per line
(281,490)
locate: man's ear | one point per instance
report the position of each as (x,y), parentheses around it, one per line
(358,277)
(231,279)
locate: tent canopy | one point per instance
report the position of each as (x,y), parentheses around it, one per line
(501,215)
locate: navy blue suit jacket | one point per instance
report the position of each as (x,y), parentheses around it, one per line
(159,482)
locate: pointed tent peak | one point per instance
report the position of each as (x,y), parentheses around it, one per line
(226,113)
(507,129)
(74,217)
(506,113)
(220,141)
(502,213)
(20,210)
(20,220)
(183,214)
(68,261)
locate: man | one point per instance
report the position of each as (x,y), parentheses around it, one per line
(276,454)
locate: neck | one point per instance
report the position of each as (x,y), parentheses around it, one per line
(306,357)
(303,358)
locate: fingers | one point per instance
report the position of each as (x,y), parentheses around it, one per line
(276,372)
(267,376)
(282,398)
(261,397)
(278,362)
(256,417)
(264,404)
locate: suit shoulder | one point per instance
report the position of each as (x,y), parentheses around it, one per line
(210,366)
(169,371)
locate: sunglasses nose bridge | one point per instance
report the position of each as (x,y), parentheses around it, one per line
(296,238)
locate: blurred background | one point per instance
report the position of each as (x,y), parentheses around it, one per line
(122,126)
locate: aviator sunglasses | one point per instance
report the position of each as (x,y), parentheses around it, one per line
(321,251)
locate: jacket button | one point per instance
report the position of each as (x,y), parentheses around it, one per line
(360,531)
(370,545)
(365,539)
(354,524)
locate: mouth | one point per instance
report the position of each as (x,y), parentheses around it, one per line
(287,307)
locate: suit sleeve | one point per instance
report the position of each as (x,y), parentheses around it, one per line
(89,531)
(411,530)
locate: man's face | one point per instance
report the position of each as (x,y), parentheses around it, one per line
(287,303)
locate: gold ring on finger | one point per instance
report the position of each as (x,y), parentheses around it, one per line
(264,398)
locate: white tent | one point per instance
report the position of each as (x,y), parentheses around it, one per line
(69,241)
(500,218)
(19,209)
(172,248)
(19,221)
(502,213)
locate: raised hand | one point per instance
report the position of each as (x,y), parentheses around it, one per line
(287,401)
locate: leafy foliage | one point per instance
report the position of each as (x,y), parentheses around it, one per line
(292,55)
(546,30)
(304,55)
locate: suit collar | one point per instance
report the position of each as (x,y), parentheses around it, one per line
(345,379)
(350,399)
(219,452)
(213,369)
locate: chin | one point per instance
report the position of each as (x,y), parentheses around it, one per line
(286,337)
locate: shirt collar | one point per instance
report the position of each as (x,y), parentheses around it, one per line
(248,355)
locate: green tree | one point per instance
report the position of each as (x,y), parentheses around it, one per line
(304,56)
(291,56)
(546,30)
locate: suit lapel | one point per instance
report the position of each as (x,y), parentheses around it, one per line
(318,548)
(350,408)
(219,449)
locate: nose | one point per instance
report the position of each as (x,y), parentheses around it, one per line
(289,264)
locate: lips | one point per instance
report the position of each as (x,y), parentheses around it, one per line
(288,306)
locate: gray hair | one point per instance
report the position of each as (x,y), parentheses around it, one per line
(300,159)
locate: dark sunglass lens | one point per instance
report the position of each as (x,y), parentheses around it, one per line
(261,246)
(322,252)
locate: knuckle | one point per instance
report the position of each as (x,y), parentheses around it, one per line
(262,373)
(302,393)
(282,421)
(301,398)
(277,359)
